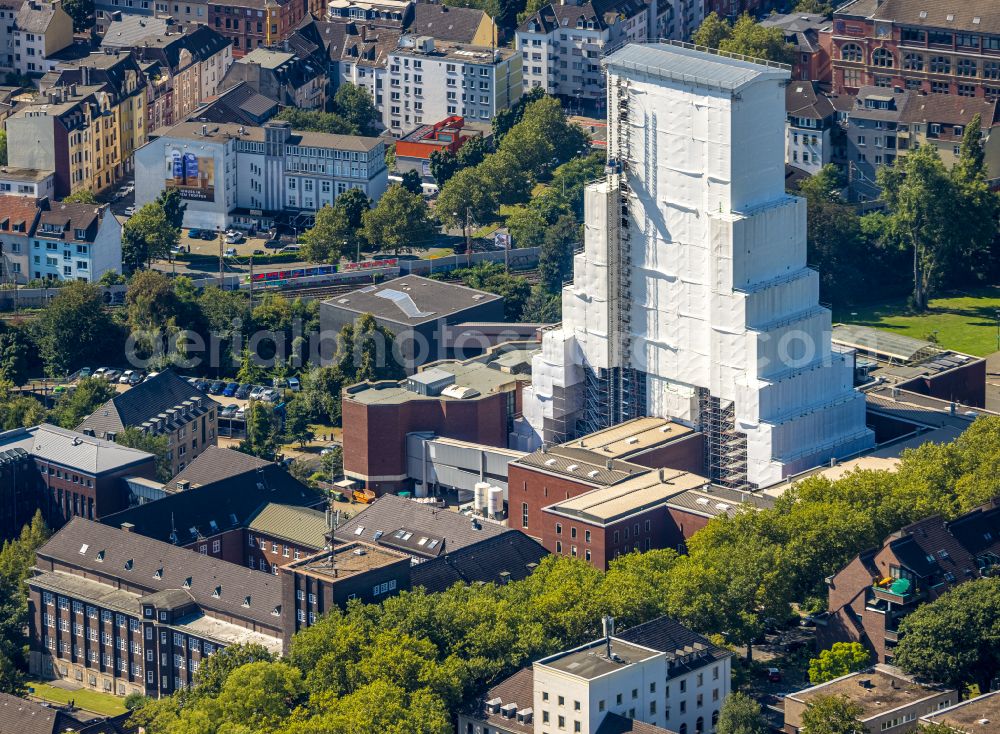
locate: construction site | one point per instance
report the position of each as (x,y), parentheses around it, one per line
(691,299)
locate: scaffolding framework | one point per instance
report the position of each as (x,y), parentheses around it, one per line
(725,447)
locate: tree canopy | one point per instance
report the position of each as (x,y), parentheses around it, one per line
(399,219)
(842,658)
(746,37)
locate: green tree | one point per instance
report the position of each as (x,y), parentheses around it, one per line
(18,411)
(832,715)
(920,198)
(14,349)
(173,207)
(814,6)
(262,431)
(712,31)
(506,119)
(466,199)
(571,177)
(134,700)
(412,183)
(492,278)
(507,13)
(740,714)
(317,121)
(259,696)
(328,237)
(555,261)
(542,307)
(16,560)
(527,227)
(355,105)
(215,669)
(147,235)
(157,445)
(81,196)
(752,39)
(3,147)
(321,394)
(90,394)
(400,219)
(75,329)
(82,13)
(842,658)
(955,639)
(444,165)
(297,422)
(511,183)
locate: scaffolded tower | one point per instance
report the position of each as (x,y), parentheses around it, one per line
(691,299)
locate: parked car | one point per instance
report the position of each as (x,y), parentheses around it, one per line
(255,392)
(136,378)
(129,211)
(774,675)
(271,395)
(230,252)
(112,375)
(191,380)
(207,234)
(126,376)
(83,372)
(274,244)
(240,414)
(290,248)
(230,391)
(202,385)
(328,449)
(243,391)
(259,252)
(194,233)
(99,372)
(293,384)
(217,387)
(234,237)
(229,411)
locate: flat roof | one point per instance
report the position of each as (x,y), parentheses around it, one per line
(222,132)
(201,625)
(888,689)
(713,500)
(618,501)
(345,562)
(681,62)
(979,714)
(411,300)
(591,660)
(631,437)
(883,343)
(25,174)
(481,374)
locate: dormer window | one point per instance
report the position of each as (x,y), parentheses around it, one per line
(217,593)
(187,583)
(276,612)
(158,574)
(100,556)
(246,601)
(128,564)
(80,234)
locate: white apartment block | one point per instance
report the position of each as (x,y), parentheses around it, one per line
(74,242)
(809,127)
(561,45)
(428,81)
(231,175)
(659,673)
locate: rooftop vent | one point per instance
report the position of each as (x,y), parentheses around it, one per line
(83,548)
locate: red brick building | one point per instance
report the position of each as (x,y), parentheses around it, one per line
(475,400)
(871,595)
(632,487)
(251,24)
(934,48)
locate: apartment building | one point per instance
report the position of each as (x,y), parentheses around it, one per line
(117,612)
(65,474)
(940,120)
(471,81)
(394,13)
(561,45)
(810,128)
(8,12)
(75,242)
(875,591)
(807,33)
(288,79)
(250,24)
(182,67)
(656,677)
(359,54)
(872,139)
(888,700)
(676,20)
(936,48)
(40,30)
(27,182)
(237,175)
(163,405)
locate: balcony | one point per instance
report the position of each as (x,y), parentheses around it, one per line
(892,635)
(898,592)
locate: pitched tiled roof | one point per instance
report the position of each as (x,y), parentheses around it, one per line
(35,17)
(17,211)
(128,30)
(155,566)
(511,556)
(948,109)
(686,649)
(458,25)
(618,724)
(146,401)
(19,716)
(518,689)
(802,100)
(959,16)
(300,525)
(72,218)
(238,105)
(215,464)
(184,517)
(69,448)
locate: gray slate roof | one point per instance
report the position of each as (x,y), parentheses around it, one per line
(143,402)
(215,464)
(26,717)
(129,30)
(687,65)
(671,637)
(444,23)
(71,449)
(80,541)
(34,17)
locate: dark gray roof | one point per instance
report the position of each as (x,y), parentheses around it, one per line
(215,464)
(184,517)
(27,717)
(105,550)
(240,104)
(617,724)
(35,17)
(801,29)
(511,556)
(444,23)
(201,42)
(390,513)
(71,449)
(685,649)
(144,402)
(602,13)
(411,300)
(802,100)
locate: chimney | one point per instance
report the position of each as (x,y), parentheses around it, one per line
(183,484)
(608,623)
(204,131)
(128,527)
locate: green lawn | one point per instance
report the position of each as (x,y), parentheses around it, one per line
(964,322)
(99,703)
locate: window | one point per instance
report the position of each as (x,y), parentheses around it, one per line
(524,514)
(940,65)
(851,52)
(562,722)
(216,546)
(882,57)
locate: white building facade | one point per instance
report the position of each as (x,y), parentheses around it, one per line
(75,242)
(428,81)
(231,175)
(692,299)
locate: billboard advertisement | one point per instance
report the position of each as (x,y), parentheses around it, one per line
(193,176)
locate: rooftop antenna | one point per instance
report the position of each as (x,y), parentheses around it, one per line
(608,622)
